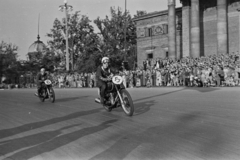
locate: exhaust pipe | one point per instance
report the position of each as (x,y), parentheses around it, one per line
(97,100)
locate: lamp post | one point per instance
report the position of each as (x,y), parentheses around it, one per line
(66,8)
(125,28)
(125,39)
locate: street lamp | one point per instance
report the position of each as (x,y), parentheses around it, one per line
(125,30)
(66,8)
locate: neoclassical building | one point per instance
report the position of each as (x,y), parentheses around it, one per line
(198,28)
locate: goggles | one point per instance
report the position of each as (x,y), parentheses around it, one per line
(106,62)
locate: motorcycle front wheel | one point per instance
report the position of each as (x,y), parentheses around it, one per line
(128,106)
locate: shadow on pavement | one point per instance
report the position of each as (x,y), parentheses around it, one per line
(202,89)
(143,107)
(186,136)
(162,94)
(139,108)
(28,141)
(27,127)
(199,89)
(49,141)
(69,99)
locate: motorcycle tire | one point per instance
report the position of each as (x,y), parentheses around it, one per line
(52,96)
(128,106)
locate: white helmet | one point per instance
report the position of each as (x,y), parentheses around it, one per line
(105,59)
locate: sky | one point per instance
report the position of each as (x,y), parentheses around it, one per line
(19,18)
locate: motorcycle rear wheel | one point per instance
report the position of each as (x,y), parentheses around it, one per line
(128,106)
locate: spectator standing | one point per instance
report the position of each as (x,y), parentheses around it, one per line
(158,77)
(187,77)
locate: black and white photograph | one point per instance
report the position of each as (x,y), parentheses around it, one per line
(119,79)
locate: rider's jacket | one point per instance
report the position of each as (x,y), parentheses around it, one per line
(41,78)
(103,74)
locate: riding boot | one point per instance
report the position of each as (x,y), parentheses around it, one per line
(102,100)
(102,96)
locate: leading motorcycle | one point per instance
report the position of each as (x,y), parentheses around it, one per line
(47,91)
(117,96)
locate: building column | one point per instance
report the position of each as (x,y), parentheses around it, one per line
(195,29)
(238,30)
(222,38)
(186,28)
(171,29)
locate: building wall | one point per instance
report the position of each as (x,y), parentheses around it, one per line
(209,30)
(208,35)
(158,43)
(144,43)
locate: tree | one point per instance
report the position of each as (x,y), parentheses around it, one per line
(8,61)
(82,39)
(35,56)
(112,34)
(50,61)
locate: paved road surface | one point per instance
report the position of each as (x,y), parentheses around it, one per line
(169,123)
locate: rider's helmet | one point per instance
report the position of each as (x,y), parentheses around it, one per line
(105,60)
(42,70)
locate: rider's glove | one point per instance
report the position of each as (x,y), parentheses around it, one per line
(104,79)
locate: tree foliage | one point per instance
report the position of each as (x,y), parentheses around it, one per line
(82,39)
(9,65)
(89,47)
(112,30)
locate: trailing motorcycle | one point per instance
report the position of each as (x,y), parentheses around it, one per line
(47,91)
(117,96)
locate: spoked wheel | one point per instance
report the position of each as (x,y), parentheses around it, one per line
(128,106)
(52,95)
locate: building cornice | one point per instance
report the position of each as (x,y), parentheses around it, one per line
(205,4)
(155,14)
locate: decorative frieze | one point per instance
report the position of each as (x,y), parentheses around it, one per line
(160,29)
(151,21)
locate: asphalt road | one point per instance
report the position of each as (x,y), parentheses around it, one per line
(168,123)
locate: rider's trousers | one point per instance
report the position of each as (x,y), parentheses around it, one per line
(102,85)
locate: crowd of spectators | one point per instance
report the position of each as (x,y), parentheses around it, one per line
(214,70)
(74,80)
(208,71)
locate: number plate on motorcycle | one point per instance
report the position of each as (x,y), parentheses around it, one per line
(47,82)
(117,79)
